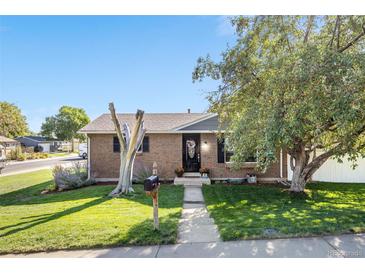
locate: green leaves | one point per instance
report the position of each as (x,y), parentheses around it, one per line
(65,124)
(288,83)
(12,122)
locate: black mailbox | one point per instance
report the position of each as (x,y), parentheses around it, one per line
(151,183)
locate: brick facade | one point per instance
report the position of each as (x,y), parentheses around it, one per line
(166,151)
(222,170)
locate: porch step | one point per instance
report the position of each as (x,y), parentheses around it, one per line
(191,175)
(191,181)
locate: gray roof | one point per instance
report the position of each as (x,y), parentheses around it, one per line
(4,139)
(152,121)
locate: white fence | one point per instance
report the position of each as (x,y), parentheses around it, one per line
(333,171)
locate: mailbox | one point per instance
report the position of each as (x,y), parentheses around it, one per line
(151,183)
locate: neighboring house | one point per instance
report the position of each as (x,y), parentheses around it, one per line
(7,145)
(172,140)
(46,145)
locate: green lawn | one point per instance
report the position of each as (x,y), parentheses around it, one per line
(246,212)
(81,218)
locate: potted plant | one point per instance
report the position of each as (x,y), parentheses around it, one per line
(179,172)
(251,178)
(204,172)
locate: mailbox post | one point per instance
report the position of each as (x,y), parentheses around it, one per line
(151,186)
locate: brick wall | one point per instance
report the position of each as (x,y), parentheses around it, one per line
(221,170)
(166,150)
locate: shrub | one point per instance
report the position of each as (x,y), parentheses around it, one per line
(141,173)
(14,154)
(71,177)
(179,171)
(22,157)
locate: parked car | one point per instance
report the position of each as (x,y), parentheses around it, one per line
(83,150)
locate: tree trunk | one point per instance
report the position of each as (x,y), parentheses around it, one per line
(303,169)
(298,182)
(129,143)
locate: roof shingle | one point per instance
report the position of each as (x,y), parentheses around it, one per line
(152,121)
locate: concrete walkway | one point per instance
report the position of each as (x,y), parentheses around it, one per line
(195,225)
(350,245)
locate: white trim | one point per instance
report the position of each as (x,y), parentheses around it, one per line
(209,115)
(88,159)
(106,180)
(116,179)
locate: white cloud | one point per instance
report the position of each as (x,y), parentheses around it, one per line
(225,27)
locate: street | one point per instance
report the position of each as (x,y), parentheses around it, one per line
(32,165)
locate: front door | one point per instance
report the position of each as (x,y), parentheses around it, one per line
(191,152)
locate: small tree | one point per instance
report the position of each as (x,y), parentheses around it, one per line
(66,124)
(295,83)
(129,142)
(12,122)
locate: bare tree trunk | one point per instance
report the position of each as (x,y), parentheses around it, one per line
(303,170)
(129,143)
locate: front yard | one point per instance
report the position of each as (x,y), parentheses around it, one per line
(82,218)
(248,212)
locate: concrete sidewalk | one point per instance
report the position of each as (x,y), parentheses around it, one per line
(349,245)
(195,225)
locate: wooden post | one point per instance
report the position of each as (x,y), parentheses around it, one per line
(156,223)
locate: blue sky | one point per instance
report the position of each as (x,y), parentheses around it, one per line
(87,61)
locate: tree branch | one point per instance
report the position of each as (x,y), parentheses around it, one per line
(353,41)
(309,27)
(338,32)
(117,126)
(334,31)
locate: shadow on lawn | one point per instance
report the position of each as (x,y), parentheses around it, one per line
(170,196)
(48,217)
(243,212)
(144,234)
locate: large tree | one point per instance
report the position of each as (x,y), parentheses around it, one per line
(12,122)
(65,124)
(130,141)
(295,83)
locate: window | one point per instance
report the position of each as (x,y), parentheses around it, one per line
(224,156)
(145,146)
(116,145)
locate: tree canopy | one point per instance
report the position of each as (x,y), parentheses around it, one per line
(12,122)
(295,83)
(65,124)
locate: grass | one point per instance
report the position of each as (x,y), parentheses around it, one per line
(82,218)
(246,212)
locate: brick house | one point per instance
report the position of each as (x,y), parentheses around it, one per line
(172,140)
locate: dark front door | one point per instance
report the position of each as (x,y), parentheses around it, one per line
(191,152)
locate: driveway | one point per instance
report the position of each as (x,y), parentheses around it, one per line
(33,165)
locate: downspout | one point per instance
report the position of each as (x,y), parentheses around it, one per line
(88,158)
